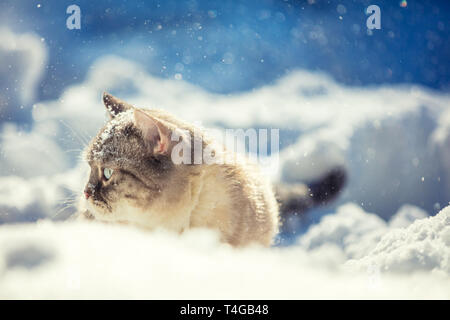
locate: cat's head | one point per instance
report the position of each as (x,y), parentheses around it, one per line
(130,162)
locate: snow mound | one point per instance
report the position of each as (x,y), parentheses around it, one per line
(93,260)
(424,245)
(23,58)
(406,215)
(350,228)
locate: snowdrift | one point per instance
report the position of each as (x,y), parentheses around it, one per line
(92,260)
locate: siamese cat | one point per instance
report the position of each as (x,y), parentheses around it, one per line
(135,180)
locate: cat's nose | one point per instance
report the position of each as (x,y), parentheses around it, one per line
(87,193)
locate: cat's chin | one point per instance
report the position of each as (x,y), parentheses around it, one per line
(97,211)
(125,214)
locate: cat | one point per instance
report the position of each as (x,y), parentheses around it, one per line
(134,180)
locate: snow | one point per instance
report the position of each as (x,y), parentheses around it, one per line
(351,229)
(23,57)
(377,240)
(92,260)
(406,215)
(424,245)
(119,121)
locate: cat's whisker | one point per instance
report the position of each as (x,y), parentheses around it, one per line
(74,150)
(68,201)
(72,198)
(79,155)
(86,136)
(73,190)
(84,141)
(62,209)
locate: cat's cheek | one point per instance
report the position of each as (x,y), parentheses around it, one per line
(98,212)
(90,207)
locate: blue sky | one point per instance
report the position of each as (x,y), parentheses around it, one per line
(230,46)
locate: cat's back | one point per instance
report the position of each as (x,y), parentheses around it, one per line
(232,196)
(238,200)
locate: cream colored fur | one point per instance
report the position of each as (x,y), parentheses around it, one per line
(233,199)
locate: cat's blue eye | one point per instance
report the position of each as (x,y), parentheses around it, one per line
(107,173)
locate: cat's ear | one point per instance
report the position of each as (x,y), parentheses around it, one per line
(156,134)
(114,105)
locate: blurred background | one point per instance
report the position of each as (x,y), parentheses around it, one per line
(232,46)
(231,49)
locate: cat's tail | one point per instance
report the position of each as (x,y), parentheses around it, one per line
(298,198)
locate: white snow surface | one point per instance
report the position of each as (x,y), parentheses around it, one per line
(378,242)
(93,260)
(423,245)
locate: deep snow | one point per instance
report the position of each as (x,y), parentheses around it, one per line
(92,260)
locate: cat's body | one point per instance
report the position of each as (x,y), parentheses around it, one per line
(148,190)
(135,180)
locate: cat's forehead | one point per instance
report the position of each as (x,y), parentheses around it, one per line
(116,125)
(113,139)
